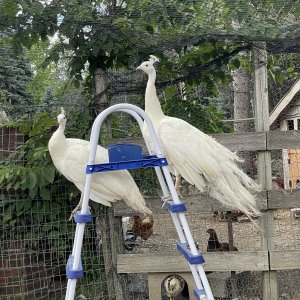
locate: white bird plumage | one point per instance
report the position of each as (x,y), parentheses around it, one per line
(173,285)
(70,157)
(197,157)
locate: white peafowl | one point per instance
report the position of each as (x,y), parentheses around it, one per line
(70,157)
(174,286)
(197,157)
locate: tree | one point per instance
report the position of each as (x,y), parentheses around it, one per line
(45,79)
(15,74)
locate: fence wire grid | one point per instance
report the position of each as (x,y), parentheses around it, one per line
(119,261)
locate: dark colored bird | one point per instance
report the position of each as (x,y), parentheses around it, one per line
(142,227)
(214,244)
(130,240)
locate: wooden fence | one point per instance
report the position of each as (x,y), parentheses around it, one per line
(266,260)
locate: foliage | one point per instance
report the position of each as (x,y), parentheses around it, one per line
(15,74)
(35,193)
(47,80)
(206,118)
(110,34)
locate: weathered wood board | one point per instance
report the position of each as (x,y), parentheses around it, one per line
(174,262)
(203,203)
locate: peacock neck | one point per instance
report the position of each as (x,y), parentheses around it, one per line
(58,138)
(152,104)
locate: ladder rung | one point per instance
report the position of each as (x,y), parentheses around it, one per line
(74,273)
(146,162)
(192,259)
(199,294)
(83,218)
(176,208)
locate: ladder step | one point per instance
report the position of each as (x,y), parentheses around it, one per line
(192,259)
(176,208)
(199,294)
(146,162)
(73,273)
(83,218)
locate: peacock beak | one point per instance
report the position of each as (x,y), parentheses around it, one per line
(138,68)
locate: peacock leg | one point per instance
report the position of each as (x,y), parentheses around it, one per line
(78,207)
(178,184)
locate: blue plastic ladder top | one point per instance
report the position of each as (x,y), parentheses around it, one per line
(127,157)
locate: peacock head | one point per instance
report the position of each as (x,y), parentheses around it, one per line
(147,66)
(61,119)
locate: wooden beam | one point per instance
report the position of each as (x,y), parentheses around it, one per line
(174,262)
(194,203)
(246,141)
(200,203)
(283,139)
(283,199)
(284,259)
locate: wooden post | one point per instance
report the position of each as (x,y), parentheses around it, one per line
(233,277)
(116,246)
(110,247)
(264,172)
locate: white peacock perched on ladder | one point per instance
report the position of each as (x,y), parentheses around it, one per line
(120,159)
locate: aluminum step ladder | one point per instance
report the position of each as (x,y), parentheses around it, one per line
(131,158)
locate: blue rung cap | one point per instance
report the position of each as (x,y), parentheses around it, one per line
(198,293)
(124,152)
(74,273)
(176,208)
(83,218)
(192,259)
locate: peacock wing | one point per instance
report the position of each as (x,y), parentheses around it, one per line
(189,151)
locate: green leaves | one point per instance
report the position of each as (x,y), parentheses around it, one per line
(32,180)
(34,193)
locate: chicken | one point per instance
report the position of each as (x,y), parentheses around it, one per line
(128,236)
(129,240)
(214,244)
(174,286)
(142,227)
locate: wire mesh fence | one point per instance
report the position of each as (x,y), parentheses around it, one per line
(36,201)
(36,237)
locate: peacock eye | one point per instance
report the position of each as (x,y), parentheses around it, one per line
(146,65)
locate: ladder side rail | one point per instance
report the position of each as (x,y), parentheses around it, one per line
(139,111)
(184,233)
(188,235)
(174,216)
(178,227)
(167,186)
(205,282)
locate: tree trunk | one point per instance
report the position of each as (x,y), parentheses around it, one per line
(242,110)
(101,101)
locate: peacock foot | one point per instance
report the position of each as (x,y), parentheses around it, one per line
(74,211)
